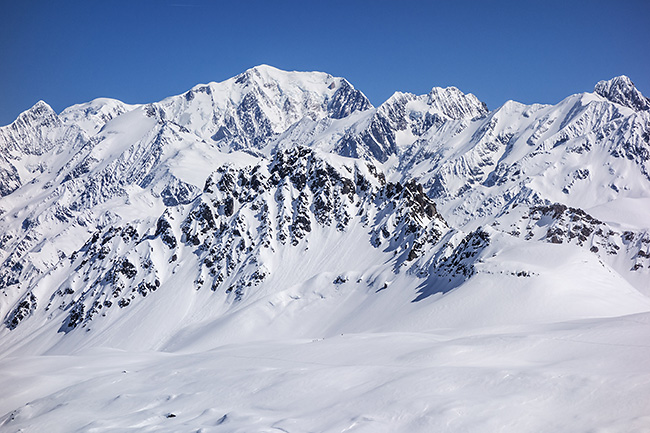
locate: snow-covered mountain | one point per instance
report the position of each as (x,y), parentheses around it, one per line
(282,205)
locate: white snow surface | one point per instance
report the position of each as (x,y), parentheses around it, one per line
(271,253)
(587,375)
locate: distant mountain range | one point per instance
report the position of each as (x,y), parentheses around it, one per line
(284,204)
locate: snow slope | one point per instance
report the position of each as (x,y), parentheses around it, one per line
(272,253)
(587,375)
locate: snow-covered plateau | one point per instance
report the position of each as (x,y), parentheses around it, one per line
(274,254)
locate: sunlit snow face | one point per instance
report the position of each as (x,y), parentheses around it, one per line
(271,252)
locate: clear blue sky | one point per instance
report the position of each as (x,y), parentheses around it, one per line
(139,51)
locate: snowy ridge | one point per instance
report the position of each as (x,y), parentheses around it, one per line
(278,208)
(24,142)
(247,110)
(622,91)
(478,165)
(230,236)
(93,115)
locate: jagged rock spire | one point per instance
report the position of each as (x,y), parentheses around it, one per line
(621,90)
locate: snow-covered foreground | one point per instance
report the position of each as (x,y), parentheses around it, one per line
(582,376)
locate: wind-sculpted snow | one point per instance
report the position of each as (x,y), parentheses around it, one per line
(282,206)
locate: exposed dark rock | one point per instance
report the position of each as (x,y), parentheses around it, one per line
(164,231)
(24,308)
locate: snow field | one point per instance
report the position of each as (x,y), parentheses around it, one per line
(588,375)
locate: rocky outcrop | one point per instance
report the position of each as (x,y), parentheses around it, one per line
(621,90)
(244,215)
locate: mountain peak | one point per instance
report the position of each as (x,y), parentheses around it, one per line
(247,110)
(456,104)
(37,116)
(621,90)
(342,97)
(41,107)
(261,71)
(264,74)
(41,104)
(92,116)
